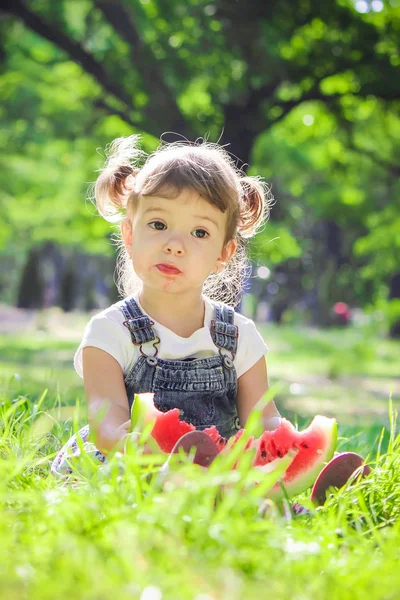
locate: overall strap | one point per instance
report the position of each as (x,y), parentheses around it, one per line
(139,325)
(224,332)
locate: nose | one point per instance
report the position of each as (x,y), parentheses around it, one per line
(174,246)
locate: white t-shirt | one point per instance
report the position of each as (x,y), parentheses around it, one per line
(107,332)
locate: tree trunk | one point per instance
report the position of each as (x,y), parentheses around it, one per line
(31,287)
(327,258)
(394,294)
(237,135)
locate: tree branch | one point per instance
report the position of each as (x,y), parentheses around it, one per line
(257,97)
(72,48)
(123,115)
(162,103)
(391,167)
(288,105)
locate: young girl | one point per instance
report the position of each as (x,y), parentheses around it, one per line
(185,214)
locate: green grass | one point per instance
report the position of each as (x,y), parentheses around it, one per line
(345,373)
(123,532)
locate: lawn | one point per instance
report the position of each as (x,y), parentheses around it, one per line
(123,532)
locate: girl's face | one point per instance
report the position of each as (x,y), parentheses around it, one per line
(176,243)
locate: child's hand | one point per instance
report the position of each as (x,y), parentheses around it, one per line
(132,436)
(111,437)
(125,428)
(120,436)
(272,423)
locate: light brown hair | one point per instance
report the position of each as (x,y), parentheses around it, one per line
(204,167)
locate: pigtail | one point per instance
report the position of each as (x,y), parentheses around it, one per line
(255,205)
(116,181)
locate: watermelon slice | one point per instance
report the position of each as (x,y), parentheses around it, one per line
(312,448)
(315,446)
(167,427)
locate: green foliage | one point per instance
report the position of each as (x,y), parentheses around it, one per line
(275,245)
(306,92)
(320,172)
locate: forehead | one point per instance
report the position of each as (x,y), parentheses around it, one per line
(188,201)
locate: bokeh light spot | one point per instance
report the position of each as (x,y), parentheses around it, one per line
(362,6)
(263,272)
(308,120)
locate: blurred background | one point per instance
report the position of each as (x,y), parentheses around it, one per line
(305,92)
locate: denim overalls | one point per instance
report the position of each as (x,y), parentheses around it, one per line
(204,389)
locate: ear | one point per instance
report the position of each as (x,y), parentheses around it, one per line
(227,252)
(126,230)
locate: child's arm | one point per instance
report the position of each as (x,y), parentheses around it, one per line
(252,385)
(107,399)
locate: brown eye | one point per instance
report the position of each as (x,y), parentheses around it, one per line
(203,233)
(157,223)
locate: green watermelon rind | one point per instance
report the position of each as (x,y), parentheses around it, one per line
(304,481)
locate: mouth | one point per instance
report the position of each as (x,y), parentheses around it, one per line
(168,269)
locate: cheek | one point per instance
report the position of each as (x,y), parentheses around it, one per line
(141,268)
(140,238)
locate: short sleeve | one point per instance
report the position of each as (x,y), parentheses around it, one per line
(106,334)
(251,346)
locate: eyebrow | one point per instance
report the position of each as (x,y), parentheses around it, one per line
(159,209)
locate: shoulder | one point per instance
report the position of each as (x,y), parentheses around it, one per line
(112,315)
(106,331)
(251,345)
(248,332)
(243,323)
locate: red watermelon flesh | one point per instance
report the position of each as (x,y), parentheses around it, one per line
(251,442)
(315,445)
(168,429)
(216,436)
